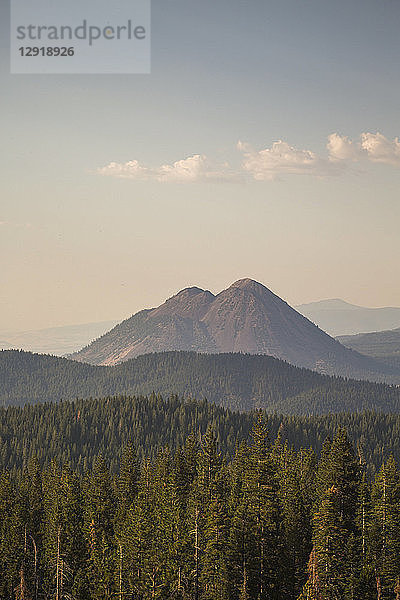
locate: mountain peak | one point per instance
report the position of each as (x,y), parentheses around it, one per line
(249,285)
(247,317)
(192,302)
(189,292)
(256,289)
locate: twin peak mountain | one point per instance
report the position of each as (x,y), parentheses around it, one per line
(246,317)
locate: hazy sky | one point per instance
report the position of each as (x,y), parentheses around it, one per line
(117,191)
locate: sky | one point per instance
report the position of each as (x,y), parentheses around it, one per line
(262,144)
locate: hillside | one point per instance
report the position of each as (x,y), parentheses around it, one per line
(87,429)
(339,318)
(236,381)
(247,317)
(381,345)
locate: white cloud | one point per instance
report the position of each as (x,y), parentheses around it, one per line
(374,147)
(340,147)
(282,159)
(380,149)
(129,170)
(193,169)
(268,163)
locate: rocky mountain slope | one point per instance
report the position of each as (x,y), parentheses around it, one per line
(247,317)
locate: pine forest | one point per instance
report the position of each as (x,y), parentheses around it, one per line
(264,522)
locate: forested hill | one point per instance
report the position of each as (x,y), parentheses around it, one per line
(383,346)
(236,381)
(76,433)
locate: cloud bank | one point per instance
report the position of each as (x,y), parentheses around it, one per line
(267,164)
(374,147)
(194,169)
(282,159)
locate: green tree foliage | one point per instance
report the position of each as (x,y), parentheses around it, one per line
(99,515)
(385,530)
(335,560)
(12,538)
(264,521)
(212,519)
(76,433)
(235,381)
(295,489)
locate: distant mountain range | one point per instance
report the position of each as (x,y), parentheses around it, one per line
(247,317)
(382,345)
(236,381)
(54,340)
(338,317)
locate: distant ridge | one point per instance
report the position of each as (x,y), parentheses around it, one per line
(236,381)
(246,317)
(381,345)
(338,317)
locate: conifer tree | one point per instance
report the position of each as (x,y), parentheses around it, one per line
(185,474)
(165,576)
(330,541)
(212,490)
(296,529)
(11,537)
(335,563)
(99,531)
(239,547)
(52,530)
(140,541)
(127,490)
(127,482)
(263,517)
(33,493)
(64,547)
(366,584)
(385,530)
